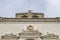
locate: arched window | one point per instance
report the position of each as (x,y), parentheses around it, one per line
(35,16)
(24,16)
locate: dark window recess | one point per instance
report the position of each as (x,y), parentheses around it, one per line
(24,16)
(2,37)
(35,16)
(29,39)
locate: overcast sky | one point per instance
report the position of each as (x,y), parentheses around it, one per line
(8,8)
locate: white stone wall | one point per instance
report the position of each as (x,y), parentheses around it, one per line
(16,27)
(9,39)
(50,39)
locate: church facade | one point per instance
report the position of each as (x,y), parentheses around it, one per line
(33,23)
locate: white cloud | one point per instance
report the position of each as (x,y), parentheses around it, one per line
(11,6)
(53,8)
(8,8)
(54,2)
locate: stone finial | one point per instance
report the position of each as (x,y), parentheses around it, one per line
(30,28)
(30,11)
